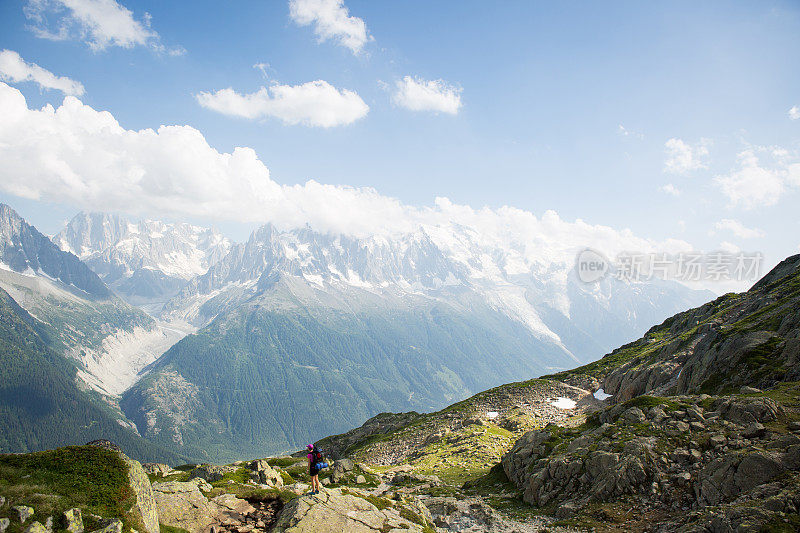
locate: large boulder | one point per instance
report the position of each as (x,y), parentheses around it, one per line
(183,505)
(265,474)
(145,500)
(333,511)
(211,473)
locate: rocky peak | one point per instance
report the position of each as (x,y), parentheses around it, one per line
(25,250)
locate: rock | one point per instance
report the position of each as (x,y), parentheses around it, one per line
(695,425)
(36,527)
(112,526)
(267,475)
(754,430)
(23,512)
(2,501)
(183,505)
(325,482)
(4,523)
(157,469)
(748,390)
(145,500)
(793,426)
(232,503)
(343,465)
(73,520)
(634,415)
(360,479)
(211,473)
(332,511)
(717,440)
(105,444)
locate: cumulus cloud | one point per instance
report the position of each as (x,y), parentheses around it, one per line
(794,112)
(98,23)
(331,20)
(315,103)
(14,69)
(738,229)
(670,189)
(754,184)
(417,94)
(682,158)
(82,157)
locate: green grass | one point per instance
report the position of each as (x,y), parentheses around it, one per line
(170,529)
(88,477)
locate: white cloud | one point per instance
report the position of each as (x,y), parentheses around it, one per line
(753,185)
(98,23)
(670,189)
(14,69)
(331,20)
(794,112)
(417,94)
(81,157)
(682,158)
(729,247)
(738,229)
(315,103)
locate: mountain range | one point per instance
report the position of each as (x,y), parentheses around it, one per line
(303,333)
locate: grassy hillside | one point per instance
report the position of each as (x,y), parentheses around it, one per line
(260,380)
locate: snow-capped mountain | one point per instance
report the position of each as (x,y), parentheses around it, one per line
(310,333)
(144,262)
(539,291)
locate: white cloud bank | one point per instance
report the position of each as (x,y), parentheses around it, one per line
(417,94)
(315,103)
(331,20)
(755,184)
(14,69)
(98,23)
(794,112)
(81,157)
(682,158)
(738,229)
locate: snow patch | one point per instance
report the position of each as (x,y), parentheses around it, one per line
(491,415)
(563,403)
(601,395)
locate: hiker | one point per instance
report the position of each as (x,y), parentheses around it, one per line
(314,458)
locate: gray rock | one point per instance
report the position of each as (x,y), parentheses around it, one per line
(157,469)
(754,430)
(794,425)
(37,527)
(23,512)
(749,390)
(145,500)
(361,479)
(4,523)
(211,473)
(634,415)
(343,465)
(74,520)
(2,501)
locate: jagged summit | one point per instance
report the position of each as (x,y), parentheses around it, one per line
(147,261)
(25,250)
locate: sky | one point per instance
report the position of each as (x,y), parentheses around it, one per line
(673,124)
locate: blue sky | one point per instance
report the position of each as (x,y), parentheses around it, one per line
(587,109)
